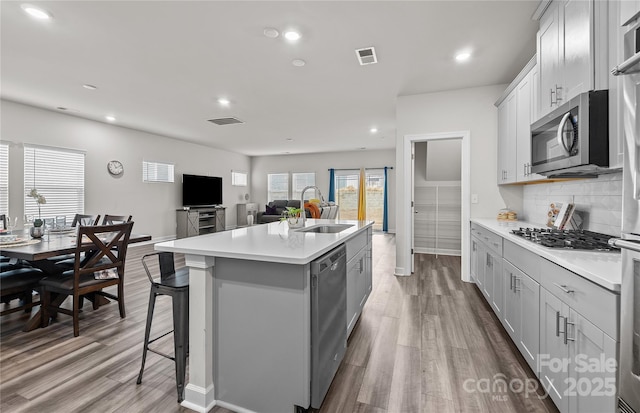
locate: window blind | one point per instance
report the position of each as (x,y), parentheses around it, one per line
(238,178)
(4,178)
(299,181)
(157,172)
(58,175)
(278,186)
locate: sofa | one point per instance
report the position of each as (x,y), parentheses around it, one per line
(274,209)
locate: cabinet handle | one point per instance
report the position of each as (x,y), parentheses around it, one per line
(524,168)
(566,330)
(558,317)
(551,102)
(515,284)
(558,89)
(564,288)
(511,281)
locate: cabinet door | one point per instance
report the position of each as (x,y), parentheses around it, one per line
(473,268)
(220,220)
(497,298)
(193,223)
(576,48)
(528,292)
(480,265)
(487,287)
(511,307)
(368,274)
(523,129)
(355,285)
(503,131)
(593,374)
(553,350)
(507,140)
(628,10)
(548,46)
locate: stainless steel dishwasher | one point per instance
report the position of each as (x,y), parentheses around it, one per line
(328,320)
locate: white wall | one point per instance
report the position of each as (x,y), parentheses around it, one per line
(152,205)
(438,160)
(320,163)
(458,110)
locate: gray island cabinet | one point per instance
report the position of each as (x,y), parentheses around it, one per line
(250,310)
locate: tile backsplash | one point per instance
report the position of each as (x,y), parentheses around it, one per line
(598,200)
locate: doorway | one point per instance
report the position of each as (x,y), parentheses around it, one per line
(406,210)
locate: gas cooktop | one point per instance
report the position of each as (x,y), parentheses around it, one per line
(569,239)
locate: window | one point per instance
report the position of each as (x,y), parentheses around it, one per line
(58,175)
(278,186)
(238,178)
(157,172)
(347,184)
(4,178)
(299,181)
(290,185)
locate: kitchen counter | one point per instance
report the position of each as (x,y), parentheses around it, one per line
(273,242)
(603,268)
(250,312)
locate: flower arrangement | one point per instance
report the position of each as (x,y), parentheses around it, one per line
(40,199)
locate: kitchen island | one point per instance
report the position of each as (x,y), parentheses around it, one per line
(250,310)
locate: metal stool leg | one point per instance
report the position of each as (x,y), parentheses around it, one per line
(180,337)
(147,331)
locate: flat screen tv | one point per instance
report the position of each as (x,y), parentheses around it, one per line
(200,191)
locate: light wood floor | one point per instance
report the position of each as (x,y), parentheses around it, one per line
(418,340)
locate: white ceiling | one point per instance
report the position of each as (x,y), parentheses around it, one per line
(160,66)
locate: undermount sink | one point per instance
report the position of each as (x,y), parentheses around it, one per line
(326,228)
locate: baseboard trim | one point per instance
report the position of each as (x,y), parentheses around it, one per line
(198,399)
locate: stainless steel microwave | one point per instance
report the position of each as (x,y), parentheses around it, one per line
(573,140)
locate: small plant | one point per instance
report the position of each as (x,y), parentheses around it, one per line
(41,200)
(291,212)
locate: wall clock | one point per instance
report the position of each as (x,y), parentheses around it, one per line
(115,168)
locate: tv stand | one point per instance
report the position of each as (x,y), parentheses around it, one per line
(199,221)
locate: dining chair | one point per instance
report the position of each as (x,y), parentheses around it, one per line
(19,282)
(3,221)
(85,220)
(115,219)
(98,242)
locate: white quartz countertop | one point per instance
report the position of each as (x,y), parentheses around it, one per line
(273,242)
(602,268)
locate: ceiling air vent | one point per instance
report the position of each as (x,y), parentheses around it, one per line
(225,121)
(367,56)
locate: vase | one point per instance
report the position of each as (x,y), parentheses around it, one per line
(36,232)
(295,222)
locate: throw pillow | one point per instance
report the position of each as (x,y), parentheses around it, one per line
(270,210)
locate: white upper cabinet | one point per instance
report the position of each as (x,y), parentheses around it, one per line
(629,9)
(572,49)
(524,114)
(507,130)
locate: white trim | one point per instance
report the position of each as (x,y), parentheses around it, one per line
(197,398)
(404,258)
(233,407)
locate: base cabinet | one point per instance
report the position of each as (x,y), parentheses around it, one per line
(359,276)
(577,360)
(522,311)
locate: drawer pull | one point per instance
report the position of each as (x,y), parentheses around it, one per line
(564,288)
(515,284)
(558,332)
(511,281)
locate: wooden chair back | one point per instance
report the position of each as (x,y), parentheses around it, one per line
(3,221)
(85,220)
(115,219)
(104,247)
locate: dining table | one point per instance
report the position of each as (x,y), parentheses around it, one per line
(52,244)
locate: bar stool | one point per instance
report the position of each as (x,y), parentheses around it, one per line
(174,283)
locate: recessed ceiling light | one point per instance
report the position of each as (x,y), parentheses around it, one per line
(292,36)
(224,101)
(373,130)
(110,118)
(298,62)
(90,87)
(463,56)
(36,12)
(289,139)
(271,33)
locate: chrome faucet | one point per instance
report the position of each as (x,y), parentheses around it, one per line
(303,213)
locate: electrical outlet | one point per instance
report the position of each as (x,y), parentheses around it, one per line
(474,198)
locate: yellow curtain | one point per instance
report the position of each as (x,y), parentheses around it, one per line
(362,197)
